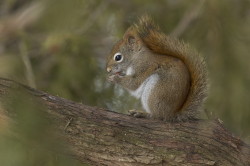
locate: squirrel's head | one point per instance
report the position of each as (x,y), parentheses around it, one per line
(124,52)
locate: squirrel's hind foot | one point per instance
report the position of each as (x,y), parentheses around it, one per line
(138,114)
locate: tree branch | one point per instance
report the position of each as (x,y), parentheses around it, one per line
(100,137)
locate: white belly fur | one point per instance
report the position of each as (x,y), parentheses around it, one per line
(145,89)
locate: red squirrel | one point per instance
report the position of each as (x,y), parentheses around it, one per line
(168,76)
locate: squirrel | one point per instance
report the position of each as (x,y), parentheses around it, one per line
(168,76)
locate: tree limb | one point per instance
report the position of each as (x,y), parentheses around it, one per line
(100,137)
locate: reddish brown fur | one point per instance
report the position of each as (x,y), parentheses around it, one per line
(159,43)
(182,86)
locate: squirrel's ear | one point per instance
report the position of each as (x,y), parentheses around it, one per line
(132,39)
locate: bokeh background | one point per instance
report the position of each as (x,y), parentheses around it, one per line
(60,46)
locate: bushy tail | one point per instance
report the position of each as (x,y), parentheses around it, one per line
(160,43)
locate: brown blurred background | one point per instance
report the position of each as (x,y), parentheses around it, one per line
(60,46)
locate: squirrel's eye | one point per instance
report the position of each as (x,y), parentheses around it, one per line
(118,57)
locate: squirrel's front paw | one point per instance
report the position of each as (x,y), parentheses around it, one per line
(138,114)
(113,78)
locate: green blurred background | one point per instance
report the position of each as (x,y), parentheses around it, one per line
(60,46)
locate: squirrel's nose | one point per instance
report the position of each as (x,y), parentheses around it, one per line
(108,69)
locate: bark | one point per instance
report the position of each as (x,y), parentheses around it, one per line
(100,137)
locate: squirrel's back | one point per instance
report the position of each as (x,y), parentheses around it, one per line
(160,43)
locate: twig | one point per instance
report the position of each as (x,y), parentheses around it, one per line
(68,123)
(91,19)
(27,64)
(20,19)
(190,15)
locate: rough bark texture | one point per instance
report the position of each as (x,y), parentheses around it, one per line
(100,137)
